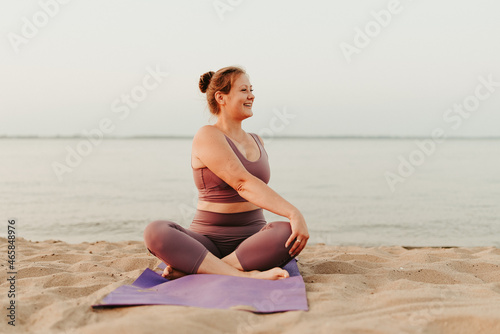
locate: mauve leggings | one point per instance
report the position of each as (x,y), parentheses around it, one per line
(259,246)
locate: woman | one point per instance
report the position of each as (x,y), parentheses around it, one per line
(229,235)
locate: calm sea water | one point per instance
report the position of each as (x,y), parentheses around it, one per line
(452,198)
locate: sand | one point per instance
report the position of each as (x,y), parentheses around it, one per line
(349,290)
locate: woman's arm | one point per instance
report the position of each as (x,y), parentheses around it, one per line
(211,147)
(259,193)
(256,191)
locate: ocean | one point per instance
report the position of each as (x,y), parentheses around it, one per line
(351,191)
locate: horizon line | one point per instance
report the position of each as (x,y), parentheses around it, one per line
(263,136)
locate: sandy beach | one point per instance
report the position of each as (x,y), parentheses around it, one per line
(349,290)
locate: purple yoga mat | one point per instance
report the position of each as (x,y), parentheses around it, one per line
(214,291)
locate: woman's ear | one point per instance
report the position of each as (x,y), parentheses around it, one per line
(219,97)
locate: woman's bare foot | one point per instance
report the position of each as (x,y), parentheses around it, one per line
(271,274)
(171,273)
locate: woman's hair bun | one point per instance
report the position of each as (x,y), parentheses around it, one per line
(205,81)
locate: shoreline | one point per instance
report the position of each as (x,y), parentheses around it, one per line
(360,245)
(350,289)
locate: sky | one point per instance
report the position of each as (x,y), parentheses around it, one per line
(318,68)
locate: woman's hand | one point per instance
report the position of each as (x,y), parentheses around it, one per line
(299,232)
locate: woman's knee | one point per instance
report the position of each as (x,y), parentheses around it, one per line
(281,229)
(266,249)
(156,233)
(279,232)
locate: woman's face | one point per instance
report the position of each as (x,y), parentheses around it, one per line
(240,99)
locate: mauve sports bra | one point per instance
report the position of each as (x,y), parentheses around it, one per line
(211,188)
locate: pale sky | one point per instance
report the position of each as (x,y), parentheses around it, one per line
(65,68)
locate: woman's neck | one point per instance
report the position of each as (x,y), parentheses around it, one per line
(230,127)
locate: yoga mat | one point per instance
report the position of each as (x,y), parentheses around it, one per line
(214,291)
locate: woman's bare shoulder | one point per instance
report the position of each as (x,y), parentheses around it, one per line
(209,131)
(207,128)
(208,134)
